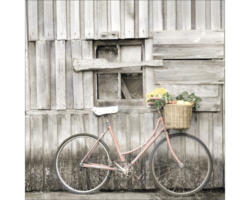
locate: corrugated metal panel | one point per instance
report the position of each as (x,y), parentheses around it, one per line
(48,20)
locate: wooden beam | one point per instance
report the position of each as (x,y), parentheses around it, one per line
(125,90)
(188,45)
(190,72)
(100,63)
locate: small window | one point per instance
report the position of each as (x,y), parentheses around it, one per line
(124,86)
(110,53)
(107,86)
(110,88)
(131,86)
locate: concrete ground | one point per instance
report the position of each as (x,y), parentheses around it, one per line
(207,195)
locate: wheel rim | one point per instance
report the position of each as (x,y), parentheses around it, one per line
(69,172)
(189,179)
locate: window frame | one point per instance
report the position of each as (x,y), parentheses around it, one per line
(140,70)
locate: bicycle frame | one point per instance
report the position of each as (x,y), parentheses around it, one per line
(145,146)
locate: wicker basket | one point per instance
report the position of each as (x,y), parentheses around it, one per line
(177,116)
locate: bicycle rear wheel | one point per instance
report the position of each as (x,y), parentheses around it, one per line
(173,179)
(74,177)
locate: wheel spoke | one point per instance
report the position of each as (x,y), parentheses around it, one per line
(83,180)
(176,180)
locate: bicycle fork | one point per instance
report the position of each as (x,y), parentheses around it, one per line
(181,165)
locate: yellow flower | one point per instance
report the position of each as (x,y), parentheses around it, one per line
(158,92)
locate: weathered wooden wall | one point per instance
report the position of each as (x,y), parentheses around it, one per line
(45,131)
(79,19)
(58,99)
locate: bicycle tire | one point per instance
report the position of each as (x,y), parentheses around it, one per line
(185,192)
(62,181)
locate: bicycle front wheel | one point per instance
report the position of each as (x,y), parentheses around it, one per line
(74,177)
(176,180)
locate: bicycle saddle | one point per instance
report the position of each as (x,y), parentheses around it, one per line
(105,110)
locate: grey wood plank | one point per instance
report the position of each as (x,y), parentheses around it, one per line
(47,164)
(179,14)
(186,20)
(200,14)
(188,45)
(193,21)
(205,123)
(64,130)
(48,20)
(157,15)
(133,54)
(109,15)
(164,14)
(149,72)
(91,124)
(101,63)
(60,75)
(50,147)
(61,20)
(218,150)
(52,76)
(75,19)
(89,19)
(32,74)
(69,76)
(223,14)
(82,19)
(102,17)
(68,18)
(95,20)
(127,110)
(36,160)
(171,15)
(150,18)
(191,147)
(27,77)
(211,145)
(189,37)
(188,71)
(77,77)
(143,18)
(43,74)
(122,22)
(27,154)
(216,15)
(193,150)
(115,15)
(188,51)
(136,19)
(129,19)
(208,14)
(32,19)
(40,8)
(88,77)
(77,127)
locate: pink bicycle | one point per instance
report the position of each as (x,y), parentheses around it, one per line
(176,171)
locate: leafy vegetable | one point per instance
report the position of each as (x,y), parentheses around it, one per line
(185,96)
